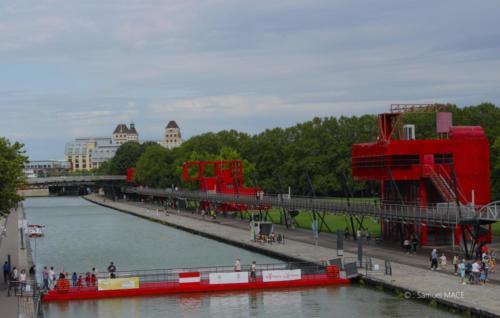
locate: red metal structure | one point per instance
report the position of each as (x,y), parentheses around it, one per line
(454,171)
(225,176)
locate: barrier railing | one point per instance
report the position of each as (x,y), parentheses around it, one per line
(431,216)
(158,277)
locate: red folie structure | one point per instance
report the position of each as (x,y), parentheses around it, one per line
(454,170)
(224,177)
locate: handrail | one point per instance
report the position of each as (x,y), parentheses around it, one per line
(395,212)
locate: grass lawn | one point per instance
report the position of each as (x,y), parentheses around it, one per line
(495,229)
(334,221)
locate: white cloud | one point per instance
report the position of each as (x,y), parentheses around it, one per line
(80,67)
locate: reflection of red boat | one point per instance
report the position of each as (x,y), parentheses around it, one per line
(176,281)
(35,230)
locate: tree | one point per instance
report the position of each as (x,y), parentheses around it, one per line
(156,167)
(126,157)
(12,161)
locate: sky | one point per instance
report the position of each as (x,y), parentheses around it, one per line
(78,68)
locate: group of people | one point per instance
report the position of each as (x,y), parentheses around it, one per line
(359,235)
(14,277)
(475,272)
(410,245)
(253,269)
(51,281)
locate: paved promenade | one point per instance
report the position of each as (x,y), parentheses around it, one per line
(11,245)
(418,282)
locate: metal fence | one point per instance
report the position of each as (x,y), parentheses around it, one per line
(171,276)
(23,290)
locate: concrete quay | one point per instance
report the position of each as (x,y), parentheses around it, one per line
(412,282)
(10,244)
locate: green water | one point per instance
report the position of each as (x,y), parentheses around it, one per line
(80,235)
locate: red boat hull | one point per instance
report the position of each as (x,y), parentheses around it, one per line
(167,288)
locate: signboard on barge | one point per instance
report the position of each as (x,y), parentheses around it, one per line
(281,275)
(228,278)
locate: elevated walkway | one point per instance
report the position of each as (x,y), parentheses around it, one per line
(449,215)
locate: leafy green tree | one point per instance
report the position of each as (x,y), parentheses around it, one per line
(126,157)
(12,161)
(156,167)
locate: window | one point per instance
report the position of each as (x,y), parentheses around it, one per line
(443,158)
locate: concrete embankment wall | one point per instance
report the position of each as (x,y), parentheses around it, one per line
(27,193)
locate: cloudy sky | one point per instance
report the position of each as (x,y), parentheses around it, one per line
(78,68)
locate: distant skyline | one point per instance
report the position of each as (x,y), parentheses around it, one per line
(78,68)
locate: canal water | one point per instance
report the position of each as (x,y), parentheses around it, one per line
(80,235)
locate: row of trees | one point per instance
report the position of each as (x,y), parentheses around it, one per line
(314,156)
(12,161)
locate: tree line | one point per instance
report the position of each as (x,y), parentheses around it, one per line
(313,157)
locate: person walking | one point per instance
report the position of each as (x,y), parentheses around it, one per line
(434,260)
(237,265)
(493,261)
(45,278)
(406,246)
(461,271)
(368,237)
(414,244)
(6,272)
(443,260)
(476,272)
(455,264)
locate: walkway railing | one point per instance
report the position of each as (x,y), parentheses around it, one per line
(172,275)
(433,216)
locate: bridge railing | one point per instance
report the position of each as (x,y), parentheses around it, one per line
(73,179)
(440,215)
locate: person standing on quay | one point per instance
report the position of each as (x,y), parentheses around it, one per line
(52,277)
(414,244)
(6,272)
(45,277)
(434,259)
(455,264)
(461,270)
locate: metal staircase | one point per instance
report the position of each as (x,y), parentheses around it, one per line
(441,180)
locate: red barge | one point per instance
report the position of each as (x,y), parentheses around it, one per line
(176,281)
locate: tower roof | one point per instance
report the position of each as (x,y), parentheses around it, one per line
(172,124)
(121,129)
(132,129)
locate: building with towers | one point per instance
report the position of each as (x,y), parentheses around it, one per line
(172,137)
(122,134)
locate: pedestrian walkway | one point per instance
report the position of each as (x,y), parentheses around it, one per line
(417,281)
(10,245)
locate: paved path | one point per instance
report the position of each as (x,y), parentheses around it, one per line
(10,245)
(421,282)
